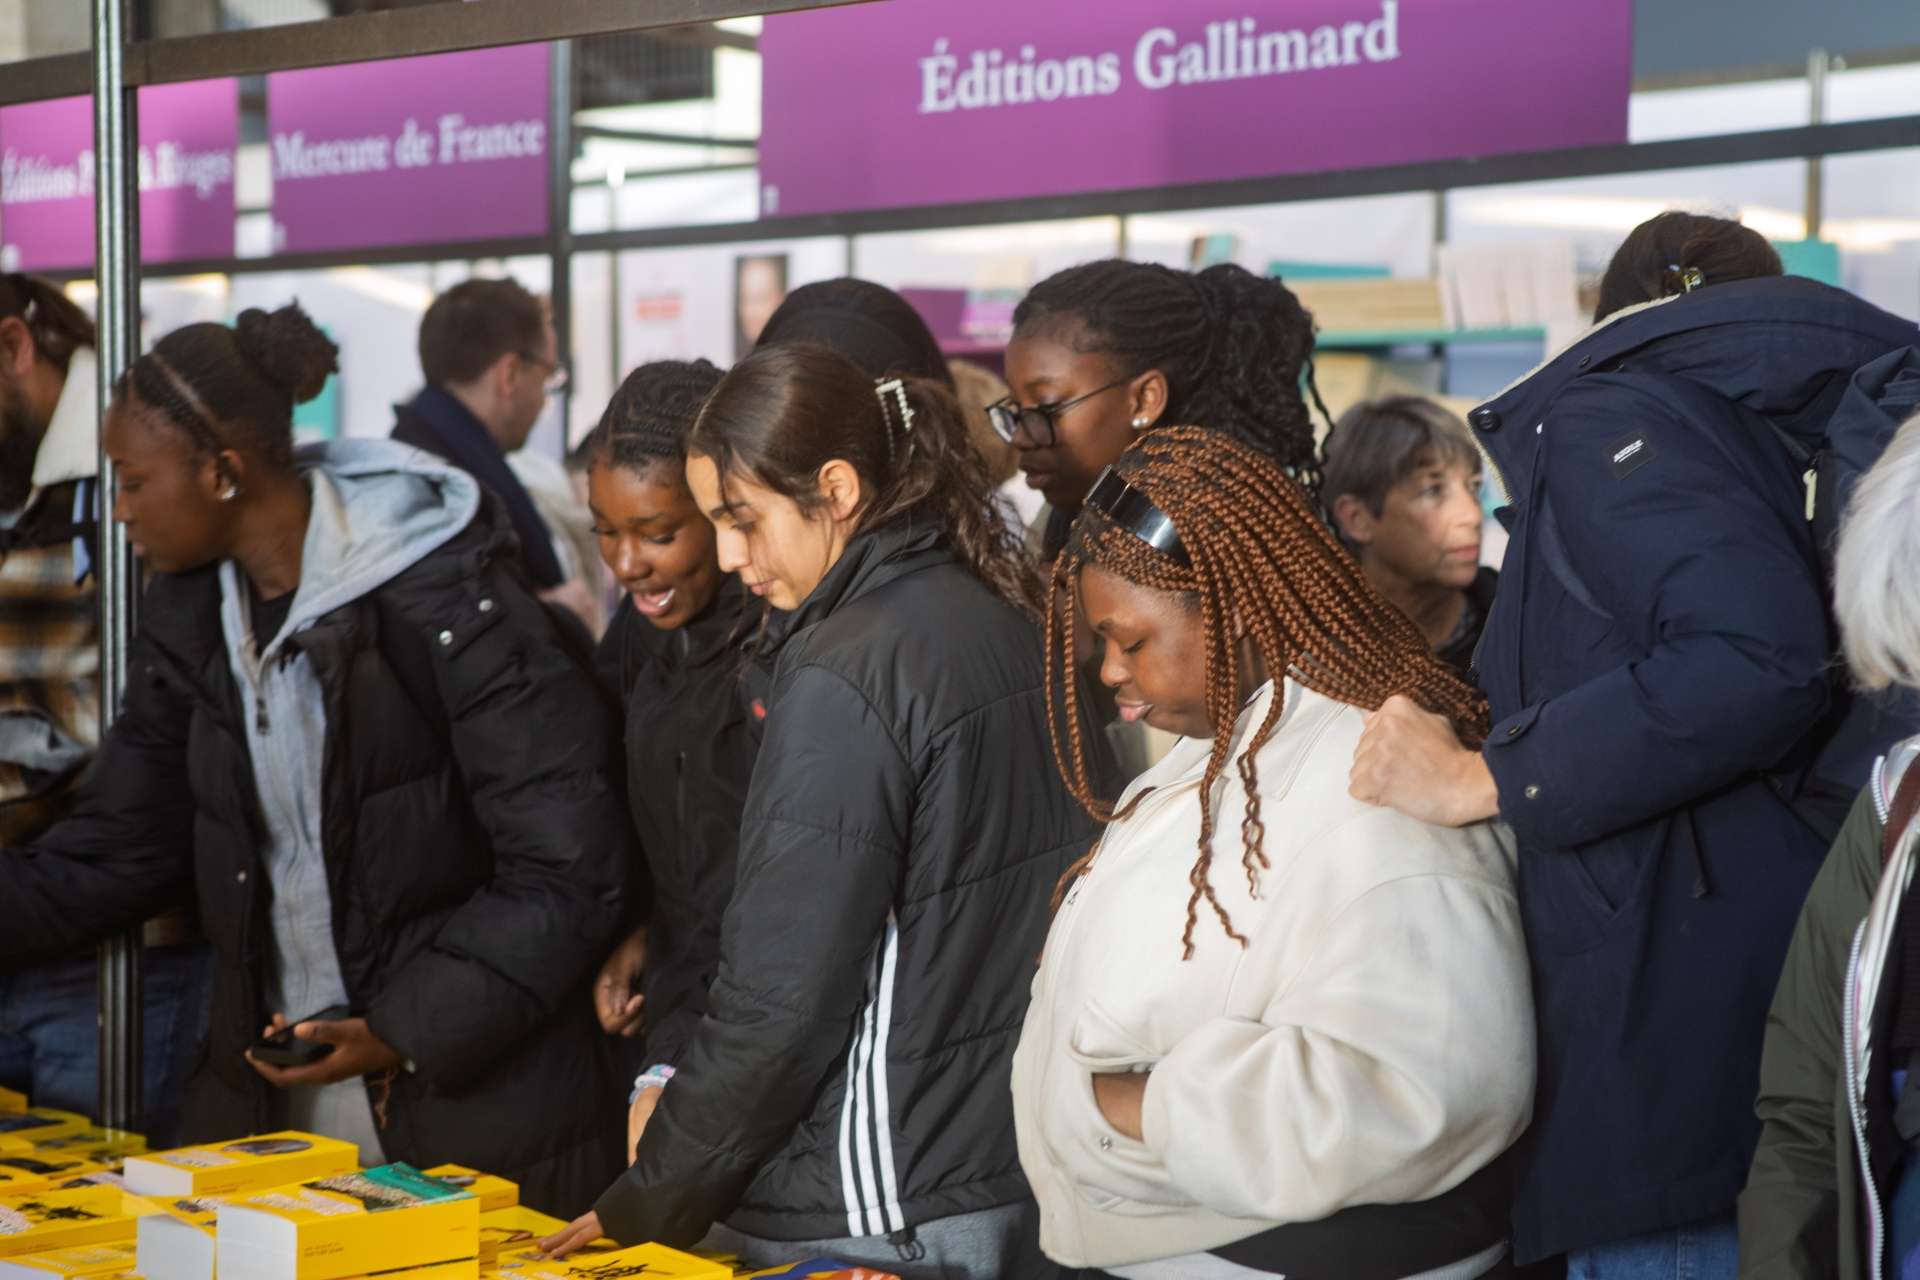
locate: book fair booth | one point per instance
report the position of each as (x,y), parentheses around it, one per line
(1440,181)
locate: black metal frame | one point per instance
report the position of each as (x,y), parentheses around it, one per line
(391,33)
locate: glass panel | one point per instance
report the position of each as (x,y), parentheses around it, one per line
(1394,232)
(594,358)
(708,301)
(1014,256)
(43,28)
(1727,108)
(1874,92)
(1873,214)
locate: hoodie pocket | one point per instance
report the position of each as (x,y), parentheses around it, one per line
(1109,1170)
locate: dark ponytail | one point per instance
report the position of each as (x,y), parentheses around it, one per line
(1674,253)
(648,419)
(1235,348)
(56,322)
(236,388)
(787,410)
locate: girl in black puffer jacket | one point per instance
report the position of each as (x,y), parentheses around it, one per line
(847,1094)
(350,730)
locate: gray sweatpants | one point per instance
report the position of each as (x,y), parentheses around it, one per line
(993,1244)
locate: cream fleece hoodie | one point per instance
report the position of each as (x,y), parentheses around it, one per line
(1373,1044)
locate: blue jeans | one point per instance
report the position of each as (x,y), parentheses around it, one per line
(1706,1250)
(50,1032)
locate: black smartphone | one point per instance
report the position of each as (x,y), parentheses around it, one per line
(284,1049)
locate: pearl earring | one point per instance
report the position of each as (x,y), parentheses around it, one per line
(229,493)
(1140,423)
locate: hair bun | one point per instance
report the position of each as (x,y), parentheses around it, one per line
(288,348)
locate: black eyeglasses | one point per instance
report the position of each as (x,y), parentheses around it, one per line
(1040,422)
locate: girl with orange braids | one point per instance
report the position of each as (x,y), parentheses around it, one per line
(1276,1031)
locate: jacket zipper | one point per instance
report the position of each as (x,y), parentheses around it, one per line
(1876,1222)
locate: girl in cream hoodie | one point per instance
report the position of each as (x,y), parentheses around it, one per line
(1277,1031)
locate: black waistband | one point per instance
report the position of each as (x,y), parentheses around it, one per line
(1387,1241)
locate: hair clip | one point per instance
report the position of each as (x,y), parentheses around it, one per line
(1690,278)
(1135,512)
(898,405)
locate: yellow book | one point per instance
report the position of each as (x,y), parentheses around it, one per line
(224,1168)
(12,1101)
(51,1220)
(40,1124)
(24,1173)
(354,1224)
(96,1261)
(176,1243)
(514,1232)
(106,1146)
(649,1260)
(492,1192)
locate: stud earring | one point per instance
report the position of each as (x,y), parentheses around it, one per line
(1140,423)
(229,493)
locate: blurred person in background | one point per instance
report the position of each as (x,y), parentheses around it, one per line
(1672,744)
(1306,1051)
(1835,1184)
(976,387)
(353,735)
(846,1094)
(1402,484)
(50,710)
(491,362)
(675,652)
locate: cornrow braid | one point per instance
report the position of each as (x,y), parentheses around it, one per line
(1236,349)
(1260,557)
(648,419)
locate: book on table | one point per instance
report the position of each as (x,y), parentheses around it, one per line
(43,1221)
(654,1261)
(94,1261)
(351,1224)
(493,1192)
(224,1168)
(105,1146)
(37,1125)
(24,1172)
(12,1100)
(514,1233)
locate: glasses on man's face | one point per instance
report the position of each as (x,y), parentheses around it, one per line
(556,380)
(1037,426)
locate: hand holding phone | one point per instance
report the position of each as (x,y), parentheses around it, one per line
(281,1048)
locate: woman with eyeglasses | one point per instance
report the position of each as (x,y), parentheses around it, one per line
(1275,1031)
(1104,351)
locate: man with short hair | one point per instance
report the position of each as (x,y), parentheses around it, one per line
(50,705)
(488,351)
(1402,484)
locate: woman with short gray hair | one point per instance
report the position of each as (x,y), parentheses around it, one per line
(1835,1184)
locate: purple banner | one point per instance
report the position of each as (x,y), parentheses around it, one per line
(939,101)
(451,146)
(187,138)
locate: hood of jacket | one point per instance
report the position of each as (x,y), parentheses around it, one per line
(1783,347)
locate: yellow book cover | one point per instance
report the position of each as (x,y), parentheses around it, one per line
(96,1261)
(224,1168)
(106,1146)
(491,1191)
(514,1232)
(648,1260)
(40,1124)
(51,1220)
(353,1224)
(176,1242)
(31,1171)
(12,1101)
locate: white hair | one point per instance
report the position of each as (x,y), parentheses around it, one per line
(1877,568)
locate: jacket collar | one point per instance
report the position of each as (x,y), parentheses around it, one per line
(870,561)
(71,448)
(721,630)
(1793,335)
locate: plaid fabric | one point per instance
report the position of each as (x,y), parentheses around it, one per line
(49,656)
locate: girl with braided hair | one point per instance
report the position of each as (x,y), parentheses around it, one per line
(1275,1030)
(675,652)
(846,1094)
(1106,350)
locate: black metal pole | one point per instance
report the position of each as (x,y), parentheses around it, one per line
(560,210)
(117,270)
